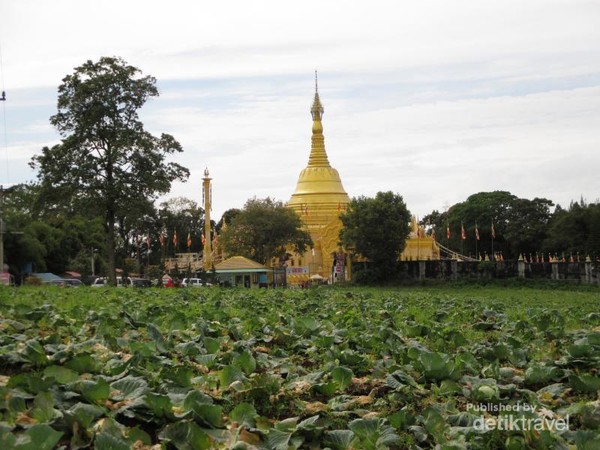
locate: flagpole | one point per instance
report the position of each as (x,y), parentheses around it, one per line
(418,243)
(463,237)
(493,235)
(476,241)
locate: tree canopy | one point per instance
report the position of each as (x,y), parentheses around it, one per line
(263,229)
(519,224)
(106,159)
(39,241)
(377,228)
(181,217)
(575,230)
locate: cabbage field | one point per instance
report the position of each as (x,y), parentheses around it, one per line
(336,368)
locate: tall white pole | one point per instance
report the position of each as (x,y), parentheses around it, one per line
(207,194)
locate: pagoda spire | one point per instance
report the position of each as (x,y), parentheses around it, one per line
(318,155)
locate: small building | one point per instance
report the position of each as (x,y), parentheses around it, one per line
(242,272)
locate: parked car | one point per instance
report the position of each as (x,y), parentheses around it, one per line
(99,282)
(140,283)
(66,282)
(134,282)
(194,282)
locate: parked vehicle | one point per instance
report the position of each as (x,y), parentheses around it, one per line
(6,279)
(99,282)
(66,282)
(134,282)
(194,282)
(140,283)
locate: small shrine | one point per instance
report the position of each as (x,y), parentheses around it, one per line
(419,246)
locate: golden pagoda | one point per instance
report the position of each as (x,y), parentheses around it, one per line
(319,199)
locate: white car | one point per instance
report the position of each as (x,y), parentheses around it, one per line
(194,282)
(135,282)
(99,282)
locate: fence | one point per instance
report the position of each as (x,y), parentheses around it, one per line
(581,272)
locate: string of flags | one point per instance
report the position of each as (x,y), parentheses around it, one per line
(498,256)
(463,232)
(540,258)
(162,239)
(537,257)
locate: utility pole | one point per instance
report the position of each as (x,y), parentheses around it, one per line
(2,226)
(3,192)
(3,98)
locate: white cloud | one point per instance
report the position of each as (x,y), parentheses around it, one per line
(435,100)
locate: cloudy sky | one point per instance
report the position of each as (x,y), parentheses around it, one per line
(432,99)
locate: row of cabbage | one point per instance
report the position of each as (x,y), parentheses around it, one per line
(314,369)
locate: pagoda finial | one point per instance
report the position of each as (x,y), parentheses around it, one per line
(318,156)
(317,109)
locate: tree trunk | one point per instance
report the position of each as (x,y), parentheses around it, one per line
(110,247)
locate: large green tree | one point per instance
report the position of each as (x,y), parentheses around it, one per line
(42,240)
(263,230)
(106,158)
(377,228)
(575,230)
(520,224)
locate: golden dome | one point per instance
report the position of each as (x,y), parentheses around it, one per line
(319,199)
(319,192)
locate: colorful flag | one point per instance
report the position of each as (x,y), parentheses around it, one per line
(463,234)
(448,232)
(162,239)
(189,241)
(175,238)
(476,232)
(493,231)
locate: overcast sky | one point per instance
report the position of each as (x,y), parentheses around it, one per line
(432,99)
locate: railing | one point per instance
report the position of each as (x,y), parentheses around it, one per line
(451,254)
